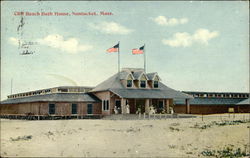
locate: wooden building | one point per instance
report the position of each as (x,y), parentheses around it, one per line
(59,101)
(138,90)
(213,102)
(129,91)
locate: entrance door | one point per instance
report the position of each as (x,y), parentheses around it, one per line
(89,109)
(118,106)
(160,107)
(140,104)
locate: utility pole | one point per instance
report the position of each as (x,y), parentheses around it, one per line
(11,86)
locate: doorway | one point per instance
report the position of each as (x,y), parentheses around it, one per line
(140,104)
(118,106)
(89,109)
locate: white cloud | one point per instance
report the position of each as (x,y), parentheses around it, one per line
(185,39)
(164,21)
(14,41)
(70,45)
(110,28)
(180,39)
(204,35)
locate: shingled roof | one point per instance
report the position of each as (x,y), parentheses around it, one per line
(244,102)
(211,101)
(151,75)
(54,97)
(137,74)
(114,85)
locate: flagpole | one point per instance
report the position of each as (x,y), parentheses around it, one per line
(119,58)
(11,86)
(144,58)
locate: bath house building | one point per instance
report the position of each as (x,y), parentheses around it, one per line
(130,90)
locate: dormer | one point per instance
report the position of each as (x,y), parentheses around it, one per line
(153,80)
(130,81)
(143,81)
(127,79)
(156,81)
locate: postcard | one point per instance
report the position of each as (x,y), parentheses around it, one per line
(125,79)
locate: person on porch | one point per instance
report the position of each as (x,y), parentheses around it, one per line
(116,110)
(127,109)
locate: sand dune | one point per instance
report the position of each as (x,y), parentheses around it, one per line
(122,138)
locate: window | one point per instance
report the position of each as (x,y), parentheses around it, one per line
(155,84)
(52,109)
(105,104)
(143,84)
(62,90)
(47,90)
(89,109)
(74,109)
(129,83)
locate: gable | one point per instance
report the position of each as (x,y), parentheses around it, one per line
(130,77)
(143,77)
(156,78)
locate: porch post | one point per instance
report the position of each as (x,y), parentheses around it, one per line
(188,106)
(123,102)
(167,106)
(147,106)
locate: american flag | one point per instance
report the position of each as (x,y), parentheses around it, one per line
(138,51)
(113,49)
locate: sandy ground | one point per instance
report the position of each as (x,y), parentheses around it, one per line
(120,138)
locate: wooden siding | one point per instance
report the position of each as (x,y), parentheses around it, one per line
(211,109)
(42,108)
(104,95)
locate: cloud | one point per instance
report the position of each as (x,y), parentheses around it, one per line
(110,28)
(70,45)
(64,78)
(164,21)
(184,39)
(204,35)
(14,41)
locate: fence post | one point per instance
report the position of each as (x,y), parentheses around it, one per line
(202,117)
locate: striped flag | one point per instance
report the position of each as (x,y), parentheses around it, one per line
(138,51)
(113,49)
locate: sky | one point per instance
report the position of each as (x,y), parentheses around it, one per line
(193,46)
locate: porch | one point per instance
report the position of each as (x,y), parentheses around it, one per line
(136,106)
